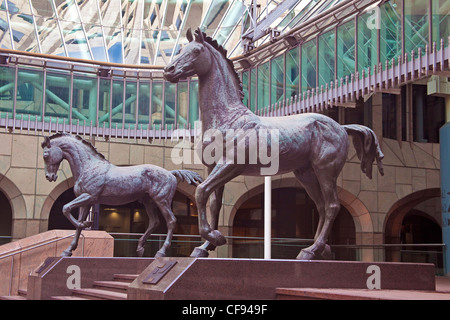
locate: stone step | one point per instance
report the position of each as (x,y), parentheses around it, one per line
(22,295)
(116,286)
(125,277)
(357,294)
(99,294)
(13,297)
(68,298)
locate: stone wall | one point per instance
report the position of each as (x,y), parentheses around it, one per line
(410,169)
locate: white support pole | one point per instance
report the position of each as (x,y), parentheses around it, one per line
(267,217)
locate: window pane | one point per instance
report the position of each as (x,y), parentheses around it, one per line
(57,95)
(346,50)
(5,39)
(441,21)
(7,76)
(263,86)
(117,103)
(367,44)
(277,83)
(24,35)
(391,31)
(144,103)
(169,104)
(326,58)
(29,92)
(183,103)
(253,96)
(157,100)
(130,103)
(104,102)
(85,97)
(416,25)
(292,73)
(309,65)
(245,88)
(193,103)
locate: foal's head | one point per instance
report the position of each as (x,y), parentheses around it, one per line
(53,156)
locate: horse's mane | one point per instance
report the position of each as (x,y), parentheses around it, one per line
(223,52)
(86,143)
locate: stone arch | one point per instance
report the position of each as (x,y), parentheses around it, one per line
(357,209)
(393,221)
(53,195)
(15,197)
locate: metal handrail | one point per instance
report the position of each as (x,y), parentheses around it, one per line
(11,273)
(386,245)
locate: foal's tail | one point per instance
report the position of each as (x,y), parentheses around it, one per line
(190,177)
(367,148)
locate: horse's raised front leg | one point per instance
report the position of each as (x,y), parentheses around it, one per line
(215,204)
(153,223)
(221,174)
(84,211)
(84,199)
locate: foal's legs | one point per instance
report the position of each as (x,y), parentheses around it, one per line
(84,211)
(153,223)
(171,221)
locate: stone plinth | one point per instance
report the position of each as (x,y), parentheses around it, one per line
(241,279)
(15,267)
(51,278)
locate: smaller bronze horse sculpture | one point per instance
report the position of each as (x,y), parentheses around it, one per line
(97,181)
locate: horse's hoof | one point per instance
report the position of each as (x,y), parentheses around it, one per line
(326,253)
(199,253)
(140,252)
(66,253)
(86,224)
(216,238)
(306,255)
(160,254)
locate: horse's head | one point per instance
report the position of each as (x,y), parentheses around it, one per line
(193,59)
(53,156)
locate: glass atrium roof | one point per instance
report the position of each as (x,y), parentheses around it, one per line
(148,32)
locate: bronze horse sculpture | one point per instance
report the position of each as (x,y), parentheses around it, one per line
(97,181)
(312,146)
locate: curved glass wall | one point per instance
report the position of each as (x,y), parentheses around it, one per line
(105,96)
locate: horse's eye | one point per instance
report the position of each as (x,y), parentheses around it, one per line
(196,50)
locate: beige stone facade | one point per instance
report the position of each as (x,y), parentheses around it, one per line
(377,206)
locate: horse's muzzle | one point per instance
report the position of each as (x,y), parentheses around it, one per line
(51,176)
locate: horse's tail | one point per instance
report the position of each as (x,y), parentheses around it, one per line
(190,177)
(367,148)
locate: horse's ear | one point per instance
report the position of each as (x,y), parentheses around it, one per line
(46,143)
(199,35)
(189,35)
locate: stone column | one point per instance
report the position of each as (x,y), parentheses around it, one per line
(445,185)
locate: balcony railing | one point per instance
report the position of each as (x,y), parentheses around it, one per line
(119,102)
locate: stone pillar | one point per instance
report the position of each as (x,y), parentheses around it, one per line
(445,185)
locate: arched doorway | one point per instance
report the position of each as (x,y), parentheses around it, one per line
(127,222)
(294,223)
(56,219)
(5,218)
(414,224)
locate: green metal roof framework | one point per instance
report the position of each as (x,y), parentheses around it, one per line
(153,31)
